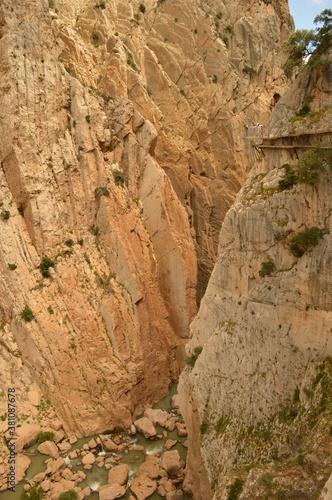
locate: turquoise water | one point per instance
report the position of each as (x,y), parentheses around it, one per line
(97,476)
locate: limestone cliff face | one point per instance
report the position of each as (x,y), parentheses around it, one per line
(79,185)
(251,393)
(122,147)
(182,68)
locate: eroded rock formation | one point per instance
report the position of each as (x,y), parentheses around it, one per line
(122,147)
(257,387)
(103,333)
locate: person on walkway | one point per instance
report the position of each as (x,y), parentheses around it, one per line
(258,129)
(253,128)
(262,131)
(246,126)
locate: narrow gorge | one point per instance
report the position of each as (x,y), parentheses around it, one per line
(145,240)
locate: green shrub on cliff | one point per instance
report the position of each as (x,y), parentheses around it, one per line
(303,241)
(267,268)
(222,424)
(289,179)
(312,163)
(45,265)
(95,37)
(191,360)
(249,70)
(119,178)
(235,489)
(204,428)
(5,215)
(27,314)
(308,169)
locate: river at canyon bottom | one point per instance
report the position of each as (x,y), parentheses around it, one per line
(97,476)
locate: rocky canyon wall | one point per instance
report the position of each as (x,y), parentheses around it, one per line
(79,186)
(122,147)
(256,393)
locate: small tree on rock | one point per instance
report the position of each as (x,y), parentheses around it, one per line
(308,46)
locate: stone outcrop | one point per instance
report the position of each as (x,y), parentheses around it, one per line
(261,341)
(122,149)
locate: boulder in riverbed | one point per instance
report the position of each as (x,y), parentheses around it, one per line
(170,424)
(169,444)
(118,475)
(64,446)
(86,492)
(92,444)
(21,465)
(172,462)
(133,430)
(143,487)
(54,466)
(146,427)
(175,401)
(26,436)
(111,492)
(109,445)
(165,485)
(38,478)
(157,417)
(46,485)
(151,468)
(182,431)
(48,448)
(88,459)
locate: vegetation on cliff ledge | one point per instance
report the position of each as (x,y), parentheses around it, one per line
(308,169)
(267,268)
(27,314)
(191,360)
(303,241)
(45,265)
(235,489)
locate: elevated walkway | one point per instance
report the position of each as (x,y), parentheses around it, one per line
(300,141)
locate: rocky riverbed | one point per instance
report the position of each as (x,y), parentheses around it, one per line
(146,461)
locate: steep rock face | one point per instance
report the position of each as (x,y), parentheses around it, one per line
(109,322)
(120,144)
(182,67)
(251,392)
